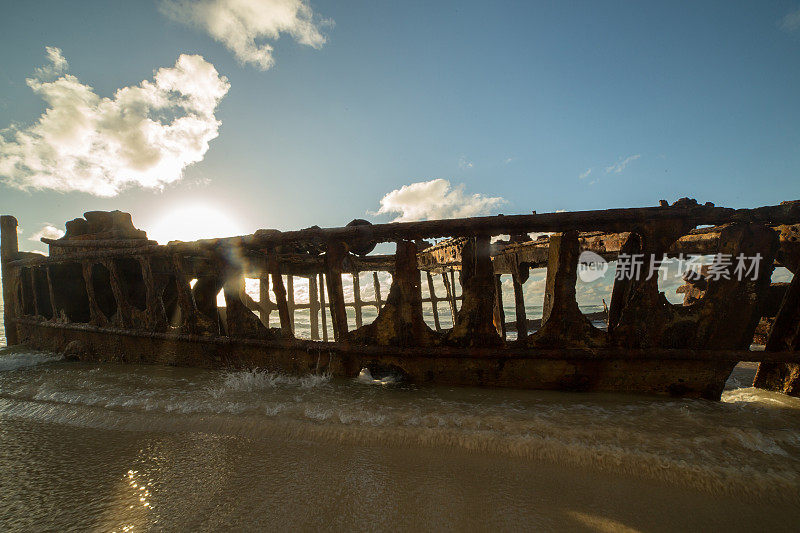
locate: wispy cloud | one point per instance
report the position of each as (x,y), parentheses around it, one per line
(57,64)
(144,135)
(48,231)
(620,165)
(790,22)
(435,199)
(242,26)
(585,174)
(464,163)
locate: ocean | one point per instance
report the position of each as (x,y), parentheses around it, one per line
(107,447)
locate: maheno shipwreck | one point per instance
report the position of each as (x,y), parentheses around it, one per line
(107,293)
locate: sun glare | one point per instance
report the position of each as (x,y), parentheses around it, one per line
(192,222)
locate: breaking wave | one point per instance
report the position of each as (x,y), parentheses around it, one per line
(255,380)
(747,444)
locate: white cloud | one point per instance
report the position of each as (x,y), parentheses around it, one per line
(48,231)
(464,163)
(790,22)
(435,199)
(58,65)
(243,25)
(144,135)
(585,174)
(620,165)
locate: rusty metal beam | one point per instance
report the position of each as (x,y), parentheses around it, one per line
(608,220)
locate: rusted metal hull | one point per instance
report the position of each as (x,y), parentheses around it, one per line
(107,293)
(674,377)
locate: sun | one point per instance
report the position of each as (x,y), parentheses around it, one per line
(193,222)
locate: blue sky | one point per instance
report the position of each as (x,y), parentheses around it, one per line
(512,102)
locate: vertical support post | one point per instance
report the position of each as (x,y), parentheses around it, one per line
(562,320)
(52,293)
(263,297)
(240,319)
(475,320)
(451,298)
(46,303)
(264,302)
(377,284)
(205,292)
(280,293)
(156,316)
(357,299)
(123,306)
(32,275)
(620,293)
(784,336)
(9,247)
(96,315)
(499,315)
(322,307)
(313,307)
(184,294)
(406,293)
(290,300)
(400,322)
(191,320)
(559,295)
(453,285)
(519,306)
(333,271)
(434,302)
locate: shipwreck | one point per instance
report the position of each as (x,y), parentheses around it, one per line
(107,293)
